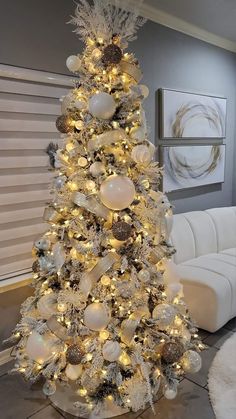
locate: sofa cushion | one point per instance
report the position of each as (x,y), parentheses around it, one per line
(230,252)
(220,264)
(224,220)
(182,239)
(207,294)
(193,235)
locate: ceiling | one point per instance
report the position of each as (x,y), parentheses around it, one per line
(215,16)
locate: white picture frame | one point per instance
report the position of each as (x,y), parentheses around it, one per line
(192,166)
(187,115)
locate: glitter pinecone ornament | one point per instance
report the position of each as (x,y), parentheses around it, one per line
(112,54)
(74,354)
(172,352)
(121,230)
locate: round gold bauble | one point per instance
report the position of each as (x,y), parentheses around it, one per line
(172,352)
(65,124)
(82,162)
(112,54)
(74,354)
(121,230)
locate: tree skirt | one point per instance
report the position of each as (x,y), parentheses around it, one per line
(222,381)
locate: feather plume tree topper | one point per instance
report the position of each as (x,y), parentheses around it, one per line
(104,20)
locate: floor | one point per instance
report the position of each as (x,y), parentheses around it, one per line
(19,401)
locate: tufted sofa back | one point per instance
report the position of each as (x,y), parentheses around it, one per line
(198,233)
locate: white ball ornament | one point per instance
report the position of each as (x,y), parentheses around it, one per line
(96,316)
(111,351)
(117,192)
(144,275)
(144,90)
(97,169)
(73,372)
(138,133)
(47,305)
(170,393)
(142,154)
(164,314)
(191,362)
(39,347)
(80,104)
(73,63)
(102,105)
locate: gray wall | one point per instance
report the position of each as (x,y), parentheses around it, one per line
(33,34)
(174,60)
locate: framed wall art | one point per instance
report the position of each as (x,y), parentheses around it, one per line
(191,115)
(191,166)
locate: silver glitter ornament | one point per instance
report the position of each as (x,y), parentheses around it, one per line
(172,352)
(121,230)
(74,354)
(49,388)
(65,124)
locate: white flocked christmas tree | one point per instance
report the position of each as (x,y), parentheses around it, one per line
(107,316)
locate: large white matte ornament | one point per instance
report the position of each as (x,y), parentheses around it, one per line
(39,347)
(111,351)
(73,63)
(117,192)
(96,316)
(102,105)
(73,372)
(191,362)
(164,314)
(47,305)
(142,154)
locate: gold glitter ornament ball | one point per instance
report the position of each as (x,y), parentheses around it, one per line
(64,124)
(74,354)
(172,352)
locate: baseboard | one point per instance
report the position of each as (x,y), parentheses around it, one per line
(5,356)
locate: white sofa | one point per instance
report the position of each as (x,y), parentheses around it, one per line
(206,263)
